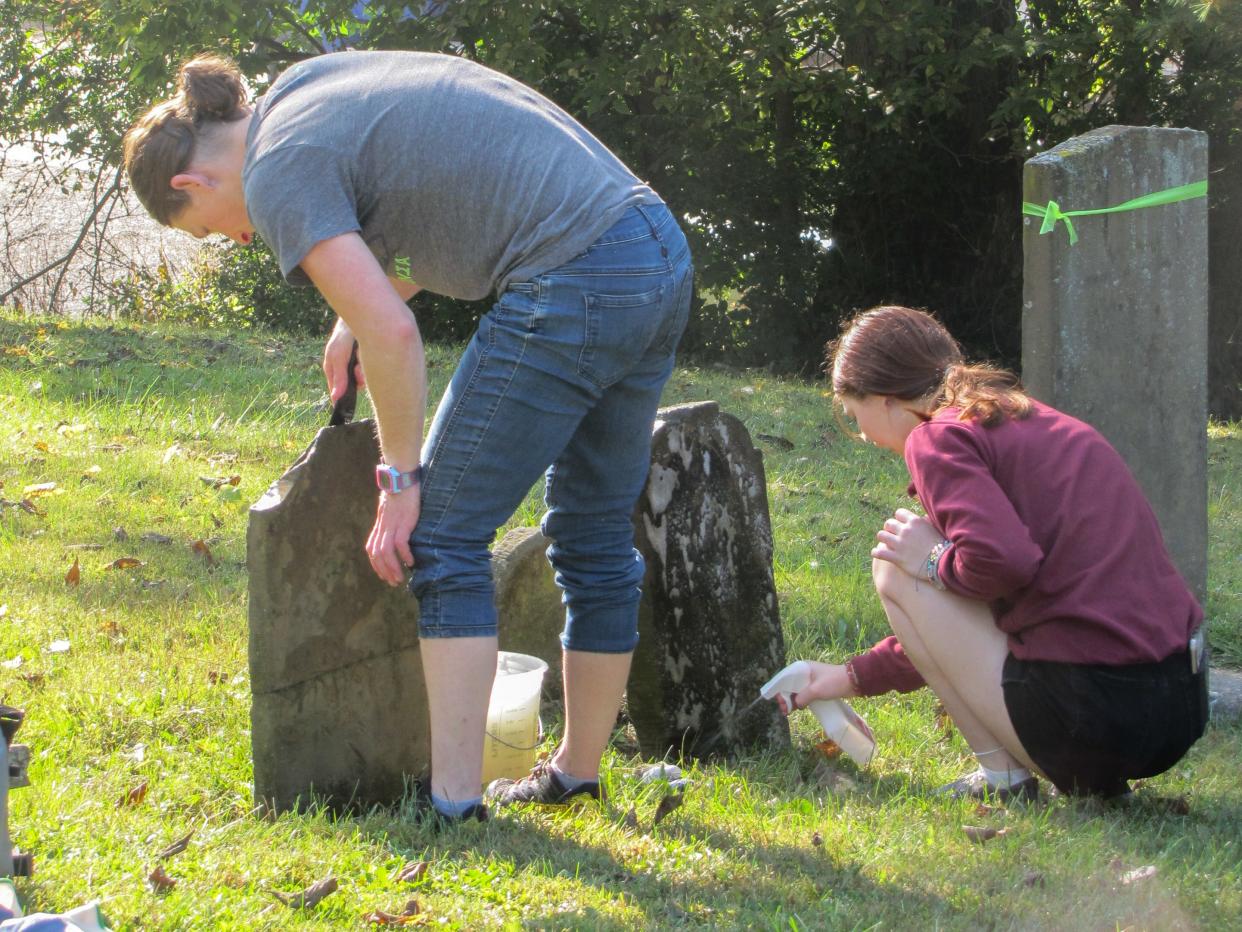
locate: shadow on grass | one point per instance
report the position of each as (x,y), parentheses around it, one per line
(716,876)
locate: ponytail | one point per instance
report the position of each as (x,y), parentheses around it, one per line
(163,141)
(984,394)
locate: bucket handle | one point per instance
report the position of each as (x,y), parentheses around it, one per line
(518,747)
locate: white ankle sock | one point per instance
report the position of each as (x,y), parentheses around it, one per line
(1005,779)
(570,783)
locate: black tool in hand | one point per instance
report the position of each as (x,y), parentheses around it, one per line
(343,410)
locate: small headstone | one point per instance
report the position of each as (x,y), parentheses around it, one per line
(339,705)
(528,602)
(709,623)
(1114,328)
(1225,692)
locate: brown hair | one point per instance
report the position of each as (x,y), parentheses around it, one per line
(908,354)
(162,142)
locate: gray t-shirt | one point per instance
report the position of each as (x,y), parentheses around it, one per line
(458,178)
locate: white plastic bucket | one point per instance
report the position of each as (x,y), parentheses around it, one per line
(513,727)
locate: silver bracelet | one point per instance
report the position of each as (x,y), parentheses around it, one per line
(931,568)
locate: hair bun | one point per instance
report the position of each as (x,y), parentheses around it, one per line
(211,88)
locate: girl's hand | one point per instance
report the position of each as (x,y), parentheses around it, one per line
(828,681)
(905,540)
(336,355)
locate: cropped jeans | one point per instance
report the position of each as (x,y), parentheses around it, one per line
(562,378)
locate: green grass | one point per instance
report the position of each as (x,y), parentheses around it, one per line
(154,688)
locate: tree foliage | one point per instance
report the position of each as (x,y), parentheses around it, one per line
(826,154)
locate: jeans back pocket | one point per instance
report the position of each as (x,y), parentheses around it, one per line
(617,331)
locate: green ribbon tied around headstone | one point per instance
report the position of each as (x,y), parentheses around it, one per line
(1052,213)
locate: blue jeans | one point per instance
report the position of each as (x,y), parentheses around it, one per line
(563,379)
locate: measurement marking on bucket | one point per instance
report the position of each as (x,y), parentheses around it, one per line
(513,728)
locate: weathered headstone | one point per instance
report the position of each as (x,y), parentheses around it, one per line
(1114,328)
(339,705)
(529,609)
(709,623)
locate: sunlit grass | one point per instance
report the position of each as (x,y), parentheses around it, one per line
(154,688)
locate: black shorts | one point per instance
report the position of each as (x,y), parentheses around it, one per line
(1090,728)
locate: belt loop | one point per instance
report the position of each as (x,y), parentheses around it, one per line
(655,231)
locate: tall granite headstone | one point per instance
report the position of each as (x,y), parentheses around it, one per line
(339,704)
(1114,328)
(709,623)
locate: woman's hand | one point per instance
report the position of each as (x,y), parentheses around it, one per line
(828,681)
(905,540)
(336,353)
(388,547)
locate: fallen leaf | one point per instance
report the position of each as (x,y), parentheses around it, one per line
(377,917)
(1033,879)
(14,663)
(177,846)
(134,797)
(171,453)
(407,915)
(41,446)
(943,720)
(113,447)
(90,473)
(30,507)
(668,804)
(201,549)
(309,897)
(42,488)
(1139,874)
(124,563)
(216,521)
(159,880)
(66,429)
(828,748)
(410,872)
(217,481)
(631,819)
(111,629)
(59,646)
(981,833)
(215,677)
(34,679)
(74,576)
(153,538)
(983,809)
(781,443)
(91,547)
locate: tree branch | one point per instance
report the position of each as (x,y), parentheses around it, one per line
(63,262)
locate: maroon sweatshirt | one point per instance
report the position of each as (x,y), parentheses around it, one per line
(1051,530)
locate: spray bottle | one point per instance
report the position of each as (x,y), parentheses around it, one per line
(840,723)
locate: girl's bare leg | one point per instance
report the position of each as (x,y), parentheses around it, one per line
(958,649)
